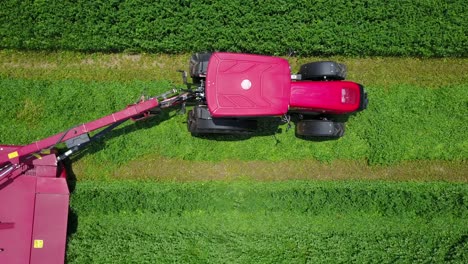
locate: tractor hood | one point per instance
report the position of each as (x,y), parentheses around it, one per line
(247,85)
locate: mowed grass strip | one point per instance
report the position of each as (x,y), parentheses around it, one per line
(374,71)
(290,221)
(154,167)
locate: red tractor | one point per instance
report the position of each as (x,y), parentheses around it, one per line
(232,92)
(235,90)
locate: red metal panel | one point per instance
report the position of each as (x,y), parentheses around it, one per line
(46,166)
(33,213)
(247,85)
(50,221)
(4,149)
(17,207)
(47,185)
(48,160)
(325,96)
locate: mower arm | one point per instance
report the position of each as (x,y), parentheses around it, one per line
(135,111)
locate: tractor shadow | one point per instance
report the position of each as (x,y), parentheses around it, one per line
(266,126)
(272,126)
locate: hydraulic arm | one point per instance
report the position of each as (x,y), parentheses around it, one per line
(77,137)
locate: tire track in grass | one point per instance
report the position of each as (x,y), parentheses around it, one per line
(154,167)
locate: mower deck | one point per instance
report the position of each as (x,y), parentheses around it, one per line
(34,212)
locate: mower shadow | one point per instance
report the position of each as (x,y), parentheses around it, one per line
(73,218)
(125,130)
(72,226)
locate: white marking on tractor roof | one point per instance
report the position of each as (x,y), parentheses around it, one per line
(246,84)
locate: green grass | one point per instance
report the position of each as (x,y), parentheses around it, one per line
(402,123)
(414,128)
(417,113)
(360,27)
(286,222)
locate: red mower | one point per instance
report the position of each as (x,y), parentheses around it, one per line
(231,92)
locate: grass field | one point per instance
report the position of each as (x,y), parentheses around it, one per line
(393,189)
(415,120)
(274,222)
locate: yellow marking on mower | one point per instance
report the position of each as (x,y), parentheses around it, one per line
(45,151)
(13,155)
(38,243)
(37,156)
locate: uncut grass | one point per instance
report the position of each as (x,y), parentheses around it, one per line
(246,238)
(428,200)
(144,222)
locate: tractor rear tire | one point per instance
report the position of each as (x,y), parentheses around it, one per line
(198,66)
(320,128)
(199,122)
(323,71)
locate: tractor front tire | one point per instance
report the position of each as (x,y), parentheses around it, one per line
(320,128)
(322,71)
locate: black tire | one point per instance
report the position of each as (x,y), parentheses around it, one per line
(199,122)
(191,121)
(322,70)
(320,128)
(198,66)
